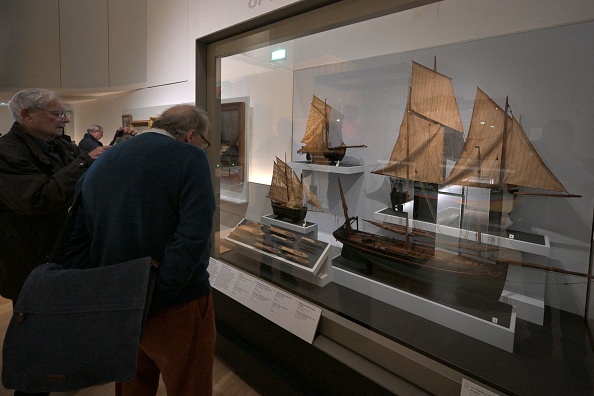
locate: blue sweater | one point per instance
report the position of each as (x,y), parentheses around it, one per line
(149,196)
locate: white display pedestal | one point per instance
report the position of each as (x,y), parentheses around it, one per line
(491,333)
(524,287)
(341,168)
(306,228)
(318,272)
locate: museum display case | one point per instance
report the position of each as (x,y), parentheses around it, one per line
(420,192)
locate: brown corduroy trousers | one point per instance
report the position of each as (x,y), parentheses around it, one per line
(179,344)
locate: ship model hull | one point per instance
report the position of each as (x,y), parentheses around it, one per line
(331,157)
(421,259)
(440,269)
(293,215)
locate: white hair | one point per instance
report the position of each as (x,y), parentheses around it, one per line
(32,99)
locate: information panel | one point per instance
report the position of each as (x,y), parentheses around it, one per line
(289,312)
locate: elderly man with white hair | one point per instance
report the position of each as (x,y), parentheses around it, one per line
(38,174)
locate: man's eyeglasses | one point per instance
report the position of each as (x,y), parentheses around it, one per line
(59,113)
(206,142)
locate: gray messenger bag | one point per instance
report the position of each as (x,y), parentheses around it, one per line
(75,328)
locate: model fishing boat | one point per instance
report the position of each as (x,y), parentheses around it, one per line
(256,238)
(496,158)
(430,133)
(322,141)
(417,258)
(496,155)
(287,194)
(466,268)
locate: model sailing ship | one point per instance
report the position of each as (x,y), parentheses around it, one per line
(497,155)
(419,155)
(322,143)
(417,258)
(287,193)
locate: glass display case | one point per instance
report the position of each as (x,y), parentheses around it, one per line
(430,184)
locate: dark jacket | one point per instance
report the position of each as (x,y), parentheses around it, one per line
(89,143)
(149,196)
(35,193)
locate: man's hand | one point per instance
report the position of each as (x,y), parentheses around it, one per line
(98,151)
(130,130)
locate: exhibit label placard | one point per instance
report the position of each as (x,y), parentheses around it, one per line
(286,310)
(471,389)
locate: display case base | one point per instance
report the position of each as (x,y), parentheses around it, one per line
(306,228)
(317,269)
(492,333)
(321,278)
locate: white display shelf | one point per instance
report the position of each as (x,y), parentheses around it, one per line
(305,228)
(341,168)
(489,332)
(540,249)
(524,287)
(319,273)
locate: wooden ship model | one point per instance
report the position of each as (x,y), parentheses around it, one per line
(418,159)
(416,257)
(496,156)
(323,143)
(287,194)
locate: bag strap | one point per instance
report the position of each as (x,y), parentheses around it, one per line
(66,227)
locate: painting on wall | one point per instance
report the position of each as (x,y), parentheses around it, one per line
(232,141)
(126,120)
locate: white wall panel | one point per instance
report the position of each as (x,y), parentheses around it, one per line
(29,44)
(168,44)
(127,42)
(84,31)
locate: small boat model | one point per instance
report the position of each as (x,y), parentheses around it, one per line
(496,158)
(257,239)
(322,141)
(287,194)
(267,248)
(496,155)
(418,258)
(473,269)
(251,230)
(430,133)
(294,252)
(285,233)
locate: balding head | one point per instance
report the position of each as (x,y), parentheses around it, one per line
(179,119)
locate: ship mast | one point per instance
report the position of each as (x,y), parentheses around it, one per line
(504,145)
(327,124)
(478,223)
(344,206)
(407,234)
(287,180)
